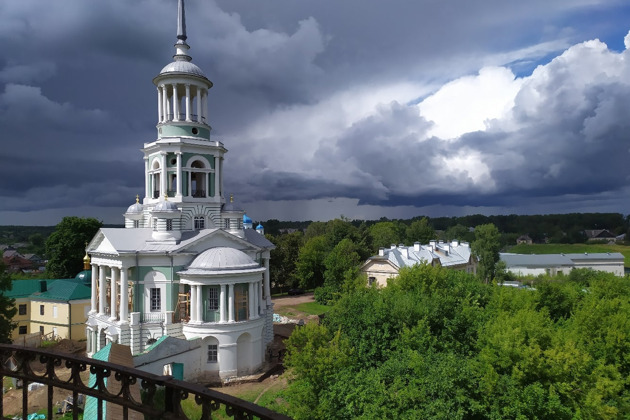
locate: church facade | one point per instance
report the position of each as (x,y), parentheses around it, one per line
(185,283)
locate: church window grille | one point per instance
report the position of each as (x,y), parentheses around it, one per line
(200,222)
(227,223)
(155,299)
(213,353)
(169,224)
(213,299)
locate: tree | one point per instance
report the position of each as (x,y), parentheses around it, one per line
(7,306)
(309,268)
(65,247)
(486,248)
(420,231)
(385,234)
(459,232)
(284,258)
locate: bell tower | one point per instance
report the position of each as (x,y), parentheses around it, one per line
(184,164)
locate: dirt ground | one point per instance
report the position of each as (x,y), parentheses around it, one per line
(38,398)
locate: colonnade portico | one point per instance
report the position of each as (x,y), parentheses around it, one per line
(169,102)
(255,301)
(118,289)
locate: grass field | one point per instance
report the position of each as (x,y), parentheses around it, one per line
(572,248)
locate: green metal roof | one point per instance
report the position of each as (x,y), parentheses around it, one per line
(66,289)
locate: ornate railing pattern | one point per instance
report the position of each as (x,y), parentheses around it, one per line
(23,363)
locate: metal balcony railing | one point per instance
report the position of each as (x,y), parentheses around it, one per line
(115,384)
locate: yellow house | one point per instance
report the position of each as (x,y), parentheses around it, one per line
(54,308)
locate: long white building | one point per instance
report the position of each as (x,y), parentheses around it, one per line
(186,283)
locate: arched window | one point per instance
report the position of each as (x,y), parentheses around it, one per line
(199,222)
(198,179)
(155,178)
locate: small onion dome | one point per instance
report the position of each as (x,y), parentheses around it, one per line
(247,220)
(86,261)
(135,208)
(221,261)
(84,277)
(259,227)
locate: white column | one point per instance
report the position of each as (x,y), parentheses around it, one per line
(267,286)
(102,292)
(164,104)
(231,303)
(93,303)
(250,300)
(188,102)
(179,174)
(261,303)
(189,176)
(204,105)
(113,293)
(200,303)
(217,176)
(169,108)
(221,177)
(159,104)
(193,300)
(207,183)
(147,177)
(124,294)
(222,304)
(163,178)
(175,104)
(199,95)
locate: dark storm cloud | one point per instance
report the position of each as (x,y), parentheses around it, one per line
(314,99)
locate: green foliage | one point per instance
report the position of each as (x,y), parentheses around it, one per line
(385,234)
(7,306)
(486,248)
(437,343)
(284,259)
(65,247)
(309,268)
(420,231)
(459,232)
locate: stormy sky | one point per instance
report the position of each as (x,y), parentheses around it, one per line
(360,108)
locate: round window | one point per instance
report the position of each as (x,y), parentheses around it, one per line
(195,130)
(173,161)
(160,130)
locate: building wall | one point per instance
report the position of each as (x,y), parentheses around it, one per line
(381,271)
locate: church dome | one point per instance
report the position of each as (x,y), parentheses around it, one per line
(182,67)
(165,207)
(247,220)
(135,208)
(223,258)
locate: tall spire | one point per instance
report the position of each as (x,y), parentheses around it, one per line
(181,23)
(181,47)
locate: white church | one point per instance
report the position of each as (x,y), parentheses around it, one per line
(186,283)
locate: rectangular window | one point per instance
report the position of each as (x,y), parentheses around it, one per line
(41,309)
(22,329)
(241,303)
(227,223)
(22,309)
(169,224)
(213,299)
(213,353)
(41,329)
(371,281)
(54,312)
(155,300)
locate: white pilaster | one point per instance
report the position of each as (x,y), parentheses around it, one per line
(163,178)
(175,104)
(231,303)
(124,298)
(217,176)
(189,176)
(102,292)
(199,96)
(147,177)
(113,294)
(261,303)
(188,102)
(204,105)
(93,296)
(179,174)
(222,304)
(267,286)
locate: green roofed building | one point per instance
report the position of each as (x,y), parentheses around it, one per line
(53,308)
